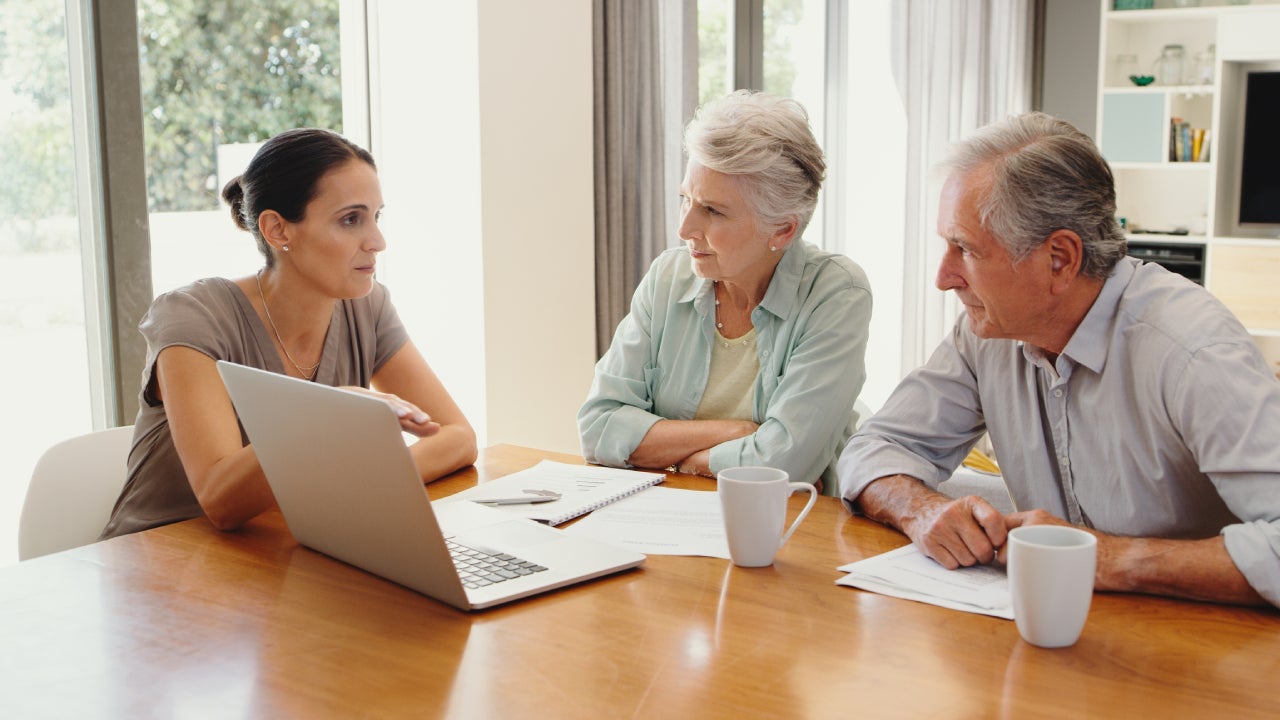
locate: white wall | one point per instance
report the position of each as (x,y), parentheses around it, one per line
(482,129)
(538,215)
(425,136)
(1070,89)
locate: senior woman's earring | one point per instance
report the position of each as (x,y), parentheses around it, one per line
(284,248)
(773,248)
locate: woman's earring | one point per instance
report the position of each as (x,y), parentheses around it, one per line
(285,248)
(773,248)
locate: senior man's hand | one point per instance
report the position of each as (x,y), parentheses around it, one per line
(959,533)
(955,533)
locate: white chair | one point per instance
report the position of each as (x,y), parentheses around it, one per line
(863,411)
(966,481)
(969,481)
(73,488)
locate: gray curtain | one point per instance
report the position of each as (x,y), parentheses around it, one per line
(629,195)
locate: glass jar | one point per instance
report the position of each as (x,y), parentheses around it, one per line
(1204,66)
(1170,65)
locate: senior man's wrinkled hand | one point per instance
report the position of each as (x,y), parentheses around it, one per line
(960,533)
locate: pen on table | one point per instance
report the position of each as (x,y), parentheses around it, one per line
(520,499)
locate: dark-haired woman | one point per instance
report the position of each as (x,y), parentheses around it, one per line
(312,201)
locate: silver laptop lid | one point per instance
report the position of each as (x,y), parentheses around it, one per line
(344,479)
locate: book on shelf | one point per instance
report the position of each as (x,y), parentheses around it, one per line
(581,489)
(1187,144)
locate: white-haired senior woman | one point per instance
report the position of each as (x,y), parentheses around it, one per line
(746,345)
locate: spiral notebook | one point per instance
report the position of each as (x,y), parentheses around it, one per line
(582,488)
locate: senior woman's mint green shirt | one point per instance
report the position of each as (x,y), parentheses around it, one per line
(811,342)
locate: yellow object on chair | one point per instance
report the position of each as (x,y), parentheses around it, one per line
(978,460)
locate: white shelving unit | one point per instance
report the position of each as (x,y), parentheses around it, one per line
(1156,195)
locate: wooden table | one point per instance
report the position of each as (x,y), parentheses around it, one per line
(185,621)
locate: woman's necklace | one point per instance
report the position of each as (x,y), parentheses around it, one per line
(306,372)
(724,341)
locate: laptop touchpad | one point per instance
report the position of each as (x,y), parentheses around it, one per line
(509,536)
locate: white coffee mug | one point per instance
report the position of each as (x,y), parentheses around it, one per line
(754,502)
(1051,570)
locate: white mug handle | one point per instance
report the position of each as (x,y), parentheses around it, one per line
(813,497)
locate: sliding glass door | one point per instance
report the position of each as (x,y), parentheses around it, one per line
(45,357)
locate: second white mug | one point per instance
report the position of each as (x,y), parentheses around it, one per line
(1051,570)
(754,502)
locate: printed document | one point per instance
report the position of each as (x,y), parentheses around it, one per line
(661,521)
(907,573)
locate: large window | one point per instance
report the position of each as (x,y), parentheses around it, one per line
(778,46)
(794,63)
(45,362)
(794,58)
(715,49)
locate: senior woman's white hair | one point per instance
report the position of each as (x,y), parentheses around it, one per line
(766,141)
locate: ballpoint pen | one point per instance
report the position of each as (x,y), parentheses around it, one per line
(535,496)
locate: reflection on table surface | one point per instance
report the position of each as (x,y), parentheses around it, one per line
(187,621)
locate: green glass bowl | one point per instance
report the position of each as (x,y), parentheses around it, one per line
(1141,80)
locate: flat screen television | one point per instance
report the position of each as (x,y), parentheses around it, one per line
(1259,190)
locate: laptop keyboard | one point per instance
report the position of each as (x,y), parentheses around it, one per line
(479,568)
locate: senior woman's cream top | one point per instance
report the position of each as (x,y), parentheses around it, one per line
(731,380)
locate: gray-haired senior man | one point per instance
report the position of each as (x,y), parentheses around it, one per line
(1118,396)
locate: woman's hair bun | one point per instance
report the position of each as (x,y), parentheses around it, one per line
(233,194)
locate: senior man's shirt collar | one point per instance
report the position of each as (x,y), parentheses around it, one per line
(1091,341)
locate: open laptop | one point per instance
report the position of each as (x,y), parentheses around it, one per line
(348,487)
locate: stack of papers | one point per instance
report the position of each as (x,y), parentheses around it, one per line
(907,573)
